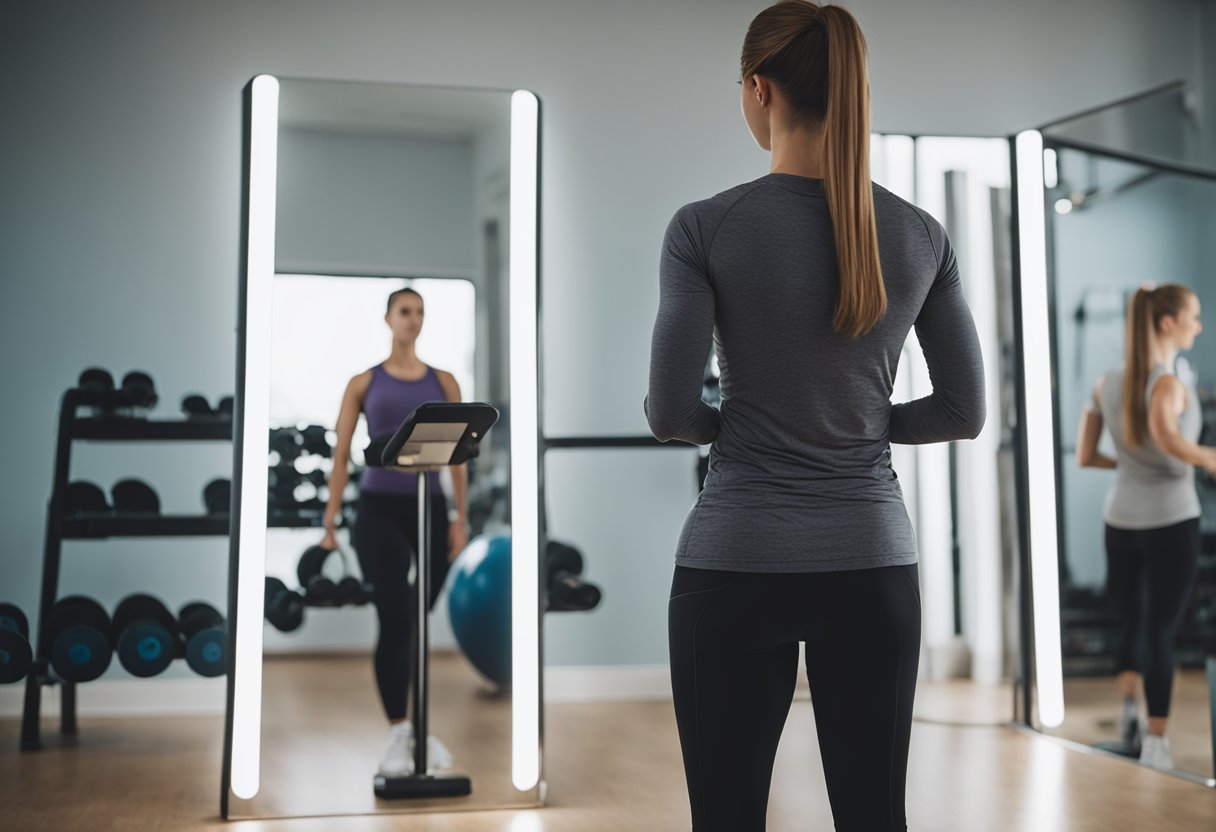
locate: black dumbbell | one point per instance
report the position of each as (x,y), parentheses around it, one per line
(202,627)
(83,497)
(318,589)
(15,653)
(195,406)
(561,557)
(139,391)
(144,633)
(314,442)
(80,644)
(286,443)
(568,593)
(133,496)
(282,482)
(351,590)
(95,381)
(217,496)
(284,608)
(95,389)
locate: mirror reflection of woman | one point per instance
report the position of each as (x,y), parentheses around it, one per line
(1152,509)
(385,532)
(807,282)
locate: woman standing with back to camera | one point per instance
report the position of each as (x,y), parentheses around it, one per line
(1152,510)
(807,281)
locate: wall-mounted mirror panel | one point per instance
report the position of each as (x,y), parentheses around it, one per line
(1121,535)
(1115,226)
(390,262)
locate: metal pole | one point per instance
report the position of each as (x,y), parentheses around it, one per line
(422,587)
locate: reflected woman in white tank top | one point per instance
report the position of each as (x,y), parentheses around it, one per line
(1152,510)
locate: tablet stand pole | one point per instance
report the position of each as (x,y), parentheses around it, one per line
(435,435)
(421,682)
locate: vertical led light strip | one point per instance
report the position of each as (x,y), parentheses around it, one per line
(1040,441)
(525,447)
(251,569)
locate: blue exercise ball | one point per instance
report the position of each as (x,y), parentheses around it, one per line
(479,604)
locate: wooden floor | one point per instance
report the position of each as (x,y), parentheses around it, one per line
(616,768)
(1091,714)
(326,720)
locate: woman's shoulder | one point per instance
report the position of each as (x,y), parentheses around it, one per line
(698,221)
(359,382)
(447,382)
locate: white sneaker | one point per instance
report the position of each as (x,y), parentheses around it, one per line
(398,756)
(398,759)
(1155,752)
(437,754)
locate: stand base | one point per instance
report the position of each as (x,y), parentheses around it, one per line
(441,784)
(1120,748)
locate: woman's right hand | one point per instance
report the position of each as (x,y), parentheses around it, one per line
(330,541)
(1209,460)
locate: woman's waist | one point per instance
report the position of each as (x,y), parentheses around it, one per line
(800,494)
(387,482)
(1138,474)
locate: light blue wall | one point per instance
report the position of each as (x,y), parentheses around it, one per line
(374,205)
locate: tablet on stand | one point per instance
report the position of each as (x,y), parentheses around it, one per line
(434,436)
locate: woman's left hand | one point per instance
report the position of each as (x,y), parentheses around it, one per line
(458,538)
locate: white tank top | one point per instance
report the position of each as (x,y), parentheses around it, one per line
(1151,489)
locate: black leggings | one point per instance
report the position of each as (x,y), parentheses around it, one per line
(385,537)
(1149,577)
(734,661)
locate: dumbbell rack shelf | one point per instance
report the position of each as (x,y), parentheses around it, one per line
(100,526)
(62,526)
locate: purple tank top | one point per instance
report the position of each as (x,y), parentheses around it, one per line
(386,404)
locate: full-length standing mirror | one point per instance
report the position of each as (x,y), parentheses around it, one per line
(390,258)
(1111,202)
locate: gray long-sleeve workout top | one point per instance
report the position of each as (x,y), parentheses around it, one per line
(800,475)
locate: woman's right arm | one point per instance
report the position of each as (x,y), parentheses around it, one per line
(348,417)
(1089,432)
(946,331)
(1165,407)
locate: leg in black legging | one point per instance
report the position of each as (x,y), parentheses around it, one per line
(439,564)
(382,541)
(1125,595)
(862,657)
(734,654)
(1171,566)
(385,536)
(734,663)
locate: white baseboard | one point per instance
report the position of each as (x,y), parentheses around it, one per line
(607,683)
(206,697)
(128,697)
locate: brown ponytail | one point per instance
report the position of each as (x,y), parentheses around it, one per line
(816,55)
(1144,314)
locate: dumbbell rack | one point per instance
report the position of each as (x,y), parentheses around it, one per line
(61,526)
